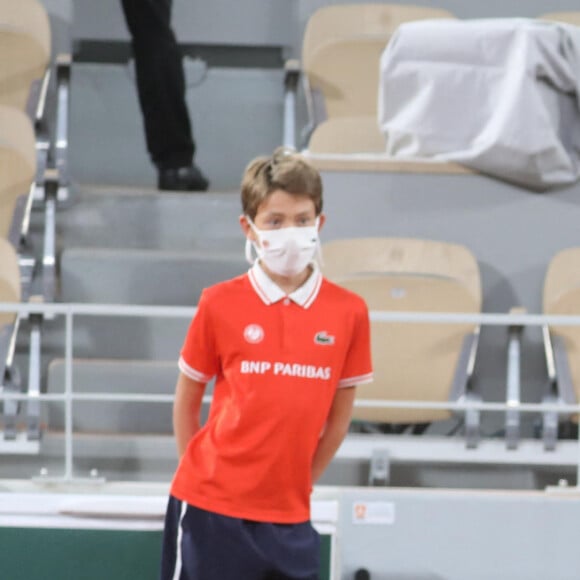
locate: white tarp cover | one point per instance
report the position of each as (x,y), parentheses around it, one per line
(501,96)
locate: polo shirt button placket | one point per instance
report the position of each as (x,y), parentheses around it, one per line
(286,301)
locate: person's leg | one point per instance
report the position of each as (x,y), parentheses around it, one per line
(171,550)
(293,550)
(161,85)
(201,545)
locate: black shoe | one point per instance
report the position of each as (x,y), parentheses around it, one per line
(188,178)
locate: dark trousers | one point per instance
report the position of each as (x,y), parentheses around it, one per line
(160,82)
(202,545)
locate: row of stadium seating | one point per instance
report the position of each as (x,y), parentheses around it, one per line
(393,275)
(341,50)
(406,275)
(30,161)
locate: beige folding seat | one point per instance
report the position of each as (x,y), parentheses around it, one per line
(348,135)
(17,163)
(562,343)
(357,144)
(9,280)
(10,294)
(412,361)
(565,17)
(13,291)
(341,51)
(25,42)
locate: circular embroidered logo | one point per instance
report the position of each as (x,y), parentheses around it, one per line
(254,333)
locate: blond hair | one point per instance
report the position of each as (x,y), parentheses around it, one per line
(285,170)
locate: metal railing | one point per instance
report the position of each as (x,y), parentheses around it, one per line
(70,310)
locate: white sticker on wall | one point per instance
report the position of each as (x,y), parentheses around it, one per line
(373,512)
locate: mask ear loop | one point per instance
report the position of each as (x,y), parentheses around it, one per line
(318,253)
(250,259)
(249,245)
(318,250)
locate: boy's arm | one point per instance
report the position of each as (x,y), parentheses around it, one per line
(186,410)
(335,430)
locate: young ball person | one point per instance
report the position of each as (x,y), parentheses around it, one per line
(286,348)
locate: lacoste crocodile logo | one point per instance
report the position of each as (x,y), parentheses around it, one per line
(323,337)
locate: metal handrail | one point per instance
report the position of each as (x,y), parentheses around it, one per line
(69,310)
(365,403)
(485,319)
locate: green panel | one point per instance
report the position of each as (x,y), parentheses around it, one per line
(325,556)
(63,554)
(58,554)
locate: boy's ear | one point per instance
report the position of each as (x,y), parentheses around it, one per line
(248,232)
(321,221)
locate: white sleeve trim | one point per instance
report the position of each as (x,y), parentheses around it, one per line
(354,381)
(193,373)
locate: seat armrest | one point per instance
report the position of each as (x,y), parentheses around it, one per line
(51,191)
(37,97)
(291,78)
(564,382)
(9,378)
(560,388)
(60,146)
(462,388)
(513,381)
(291,74)
(463,377)
(549,356)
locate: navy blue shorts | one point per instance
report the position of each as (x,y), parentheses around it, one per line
(202,545)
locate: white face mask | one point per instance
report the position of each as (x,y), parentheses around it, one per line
(286,251)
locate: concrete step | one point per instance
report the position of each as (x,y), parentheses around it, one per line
(117,338)
(126,276)
(140,218)
(137,277)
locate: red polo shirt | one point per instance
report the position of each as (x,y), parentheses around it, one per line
(278,361)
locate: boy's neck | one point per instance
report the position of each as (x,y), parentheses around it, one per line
(288,284)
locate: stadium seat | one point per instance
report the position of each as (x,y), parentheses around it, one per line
(25,42)
(10,294)
(9,280)
(356,144)
(17,192)
(562,343)
(413,361)
(25,70)
(341,50)
(17,170)
(348,135)
(564,17)
(17,187)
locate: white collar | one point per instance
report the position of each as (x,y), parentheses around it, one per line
(270,292)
